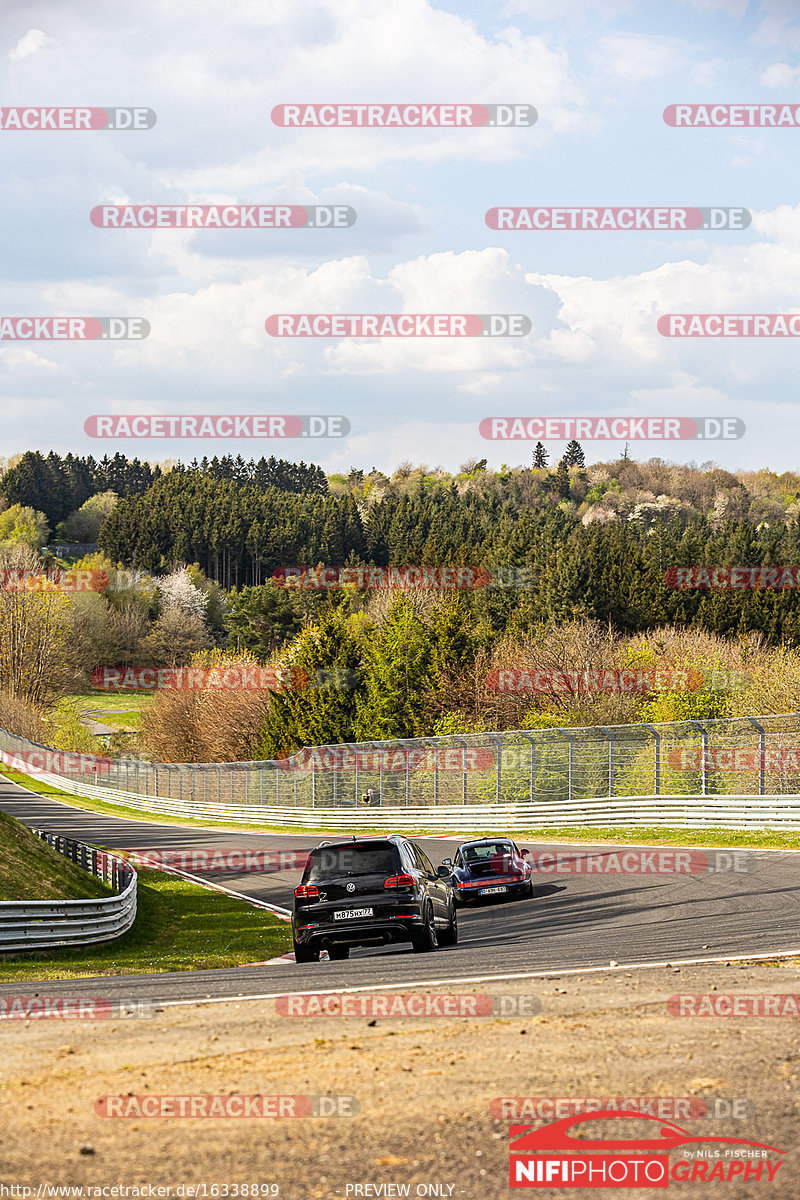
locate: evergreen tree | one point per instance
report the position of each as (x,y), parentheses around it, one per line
(540,456)
(573,455)
(399,677)
(319,709)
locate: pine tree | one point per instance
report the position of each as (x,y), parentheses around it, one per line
(400,676)
(540,456)
(573,455)
(562,479)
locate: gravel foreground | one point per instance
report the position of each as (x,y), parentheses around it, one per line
(424,1086)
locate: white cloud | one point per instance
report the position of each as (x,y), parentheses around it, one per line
(638,57)
(732,8)
(613,320)
(684,391)
(781,76)
(19,360)
(546,10)
(481,384)
(33,41)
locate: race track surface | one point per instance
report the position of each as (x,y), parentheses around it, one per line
(576,920)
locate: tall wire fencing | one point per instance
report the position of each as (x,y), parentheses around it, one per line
(746,756)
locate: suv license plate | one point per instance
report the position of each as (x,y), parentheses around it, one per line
(492,891)
(355,912)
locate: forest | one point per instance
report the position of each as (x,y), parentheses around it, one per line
(574,569)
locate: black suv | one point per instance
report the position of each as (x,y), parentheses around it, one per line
(369,892)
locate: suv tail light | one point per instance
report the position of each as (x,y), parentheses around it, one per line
(399,881)
(306,893)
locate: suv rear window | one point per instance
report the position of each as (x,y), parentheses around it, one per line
(333,862)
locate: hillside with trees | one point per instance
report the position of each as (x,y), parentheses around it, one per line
(574,563)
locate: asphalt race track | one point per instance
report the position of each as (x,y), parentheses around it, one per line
(574,920)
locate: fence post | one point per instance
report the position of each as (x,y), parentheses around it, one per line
(610,736)
(436,773)
(498,741)
(463,746)
(571,777)
(656,756)
(532,741)
(762,750)
(704,736)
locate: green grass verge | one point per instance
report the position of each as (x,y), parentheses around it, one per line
(179,927)
(32,870)
(122,700)
(656,835)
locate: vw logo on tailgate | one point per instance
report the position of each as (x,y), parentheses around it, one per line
(351,887)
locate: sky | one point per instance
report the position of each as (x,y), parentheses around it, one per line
(599,76)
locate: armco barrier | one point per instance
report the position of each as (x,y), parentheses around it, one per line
(739,774)
(48,924)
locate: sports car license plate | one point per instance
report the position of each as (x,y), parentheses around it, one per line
(355,912)
(493,891)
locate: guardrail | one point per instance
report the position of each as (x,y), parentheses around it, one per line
(684,772)
(49,924)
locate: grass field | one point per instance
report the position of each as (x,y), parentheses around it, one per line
(32,870)
(179,927)
(120,710)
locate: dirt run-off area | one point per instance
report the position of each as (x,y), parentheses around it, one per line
(424,1088)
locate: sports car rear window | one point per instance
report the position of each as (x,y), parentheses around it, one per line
(482,853)
(333,862)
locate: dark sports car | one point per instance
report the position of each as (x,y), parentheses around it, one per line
(489,867)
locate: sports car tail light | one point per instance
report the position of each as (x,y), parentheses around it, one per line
(304,892)
(399,881)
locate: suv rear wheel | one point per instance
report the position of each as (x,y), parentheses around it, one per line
(425,938)
(449,936)
(304,954)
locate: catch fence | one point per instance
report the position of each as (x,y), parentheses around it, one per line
(744,771)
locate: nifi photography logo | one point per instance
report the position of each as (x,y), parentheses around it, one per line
(571,1153)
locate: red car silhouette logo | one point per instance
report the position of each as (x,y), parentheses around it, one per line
(527,1139)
